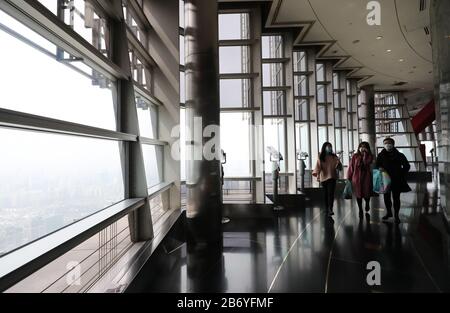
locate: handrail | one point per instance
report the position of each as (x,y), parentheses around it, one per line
(22,262)
(154,190)
(16,119)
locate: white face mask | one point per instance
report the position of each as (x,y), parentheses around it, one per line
(389,146)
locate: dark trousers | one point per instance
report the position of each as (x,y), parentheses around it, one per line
(388,202)
(359,201)
(329,186)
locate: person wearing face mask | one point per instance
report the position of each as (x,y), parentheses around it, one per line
(397,166)
(360,174)
(326,172)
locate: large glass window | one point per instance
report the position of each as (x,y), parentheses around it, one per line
(235,93)
(274,136)
(274,102)
(181,12)
(273,75)
(322,114)
(338,134)
(234,59)
(300,64)
(182,87)
(52,5)
(84,18)
(301,85)
(182,52)
(132,21)
(301,110)
(49,181)
(337,99)
(68,91)
(321,96)
(303,139)
(235,140)
(336,84)
(148,118)
(234,26)
(323,137)
(320,72)
(337,118)
(272,47)
(183,143)
(153,161)
(140,70)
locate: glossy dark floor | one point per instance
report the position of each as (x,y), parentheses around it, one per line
(305,251)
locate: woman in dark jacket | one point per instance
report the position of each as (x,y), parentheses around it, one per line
(397,166)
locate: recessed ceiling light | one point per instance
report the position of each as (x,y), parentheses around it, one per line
(401,60)
(379,37)
(388,50)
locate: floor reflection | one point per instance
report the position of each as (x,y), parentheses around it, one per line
(306,251)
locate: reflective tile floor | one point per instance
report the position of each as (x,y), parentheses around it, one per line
(305,251)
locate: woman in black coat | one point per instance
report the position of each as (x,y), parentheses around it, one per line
(397,166)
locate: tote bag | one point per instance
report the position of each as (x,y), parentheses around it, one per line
(347,193)
(381,181)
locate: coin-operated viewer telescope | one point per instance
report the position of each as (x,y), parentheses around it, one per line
(301,157)
(223,161)
(275,159)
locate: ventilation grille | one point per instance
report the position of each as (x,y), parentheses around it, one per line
(427,30)
(422,5)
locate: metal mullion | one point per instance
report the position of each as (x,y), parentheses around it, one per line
(238,75)
(236,42)
(37,17)
(152,142)
(139,48)
(15,119)
(275,88)
(275,60)
(147,95)
(139,15)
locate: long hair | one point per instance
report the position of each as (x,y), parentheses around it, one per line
(323,152)
(366,145)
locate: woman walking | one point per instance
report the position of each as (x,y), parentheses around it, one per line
(360,174)
(326,172)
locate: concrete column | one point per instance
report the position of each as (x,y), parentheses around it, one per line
(367,116)
(440,32)
(203,171)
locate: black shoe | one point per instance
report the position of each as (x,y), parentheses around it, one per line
(397,220)
(330,213)
(386,217)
